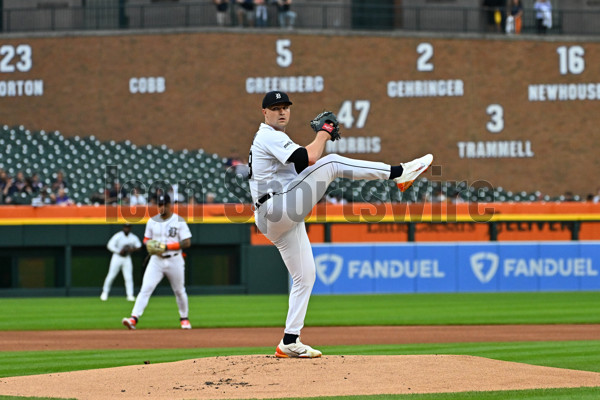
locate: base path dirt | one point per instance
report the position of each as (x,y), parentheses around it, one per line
(259,376)
(318,336)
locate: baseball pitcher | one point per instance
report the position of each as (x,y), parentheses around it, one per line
(286,181)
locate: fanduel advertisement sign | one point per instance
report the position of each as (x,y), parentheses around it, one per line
(456,267)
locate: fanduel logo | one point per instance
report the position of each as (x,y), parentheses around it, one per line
(478,265)
(322,263)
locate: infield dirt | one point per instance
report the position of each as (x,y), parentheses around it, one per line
(260,376)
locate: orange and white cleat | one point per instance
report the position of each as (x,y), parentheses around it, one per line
(130,323)
(412,170)
(296,350)
(185,324)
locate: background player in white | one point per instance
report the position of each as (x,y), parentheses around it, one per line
(286,181)
(121,244)
(173,233)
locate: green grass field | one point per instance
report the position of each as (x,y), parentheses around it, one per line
(242,311)
(252,311)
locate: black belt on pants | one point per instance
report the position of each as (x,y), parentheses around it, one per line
(169,255)
(262,199)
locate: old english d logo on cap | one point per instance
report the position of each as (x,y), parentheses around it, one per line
(275,97)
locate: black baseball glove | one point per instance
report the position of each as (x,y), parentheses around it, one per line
(327,121)
(125,251)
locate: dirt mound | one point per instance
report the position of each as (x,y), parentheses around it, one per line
(259,376)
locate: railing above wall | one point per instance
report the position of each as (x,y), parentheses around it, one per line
(326,16)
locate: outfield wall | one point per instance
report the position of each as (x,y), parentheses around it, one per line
(71,260)
(61,251)
(456,267)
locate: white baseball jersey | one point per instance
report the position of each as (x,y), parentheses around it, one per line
(269,153)
(169,263)
(120,240)
(281,218)
(175,229)
(119,262)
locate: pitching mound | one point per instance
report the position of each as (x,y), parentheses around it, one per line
(259,376)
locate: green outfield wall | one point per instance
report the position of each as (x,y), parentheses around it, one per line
(72,260)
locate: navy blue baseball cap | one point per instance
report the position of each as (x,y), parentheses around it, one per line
(275,97)
(164,199)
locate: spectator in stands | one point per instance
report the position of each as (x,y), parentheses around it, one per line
(9,191)
(493,10)
(37,184)
(233,160)
(543,15)
(116,194)
(222,7)
(99,197)
(43,198)
(261,13)
(242,169)
(19,181)
(245,11)
(456,198)
(136,198)
(61,198)
(589,198)
(596,198)
(210,198)
(514,20)
(3,180)
(286,16)
(59,182)
(236,165)
(335,198)
(28,188)
(568,196)
(438,196)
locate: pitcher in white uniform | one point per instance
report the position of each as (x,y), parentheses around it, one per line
(121,244)
(286,181)
(172,230)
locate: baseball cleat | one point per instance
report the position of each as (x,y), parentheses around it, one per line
(296,350)
(130,298)
(185,324)
(104,296)
(412,170)
(129,323)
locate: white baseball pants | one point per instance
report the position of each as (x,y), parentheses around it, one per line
(173,268)
(119,263)
(281,220)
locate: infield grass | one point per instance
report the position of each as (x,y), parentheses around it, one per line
(263,310)
(253,311)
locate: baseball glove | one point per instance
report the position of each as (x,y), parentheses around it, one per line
(326,121)
(125,250)
(155,247)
